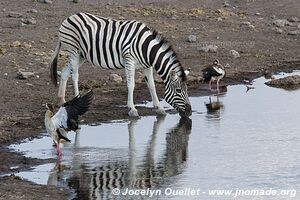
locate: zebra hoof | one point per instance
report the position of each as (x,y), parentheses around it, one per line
(160,111)
(133,113)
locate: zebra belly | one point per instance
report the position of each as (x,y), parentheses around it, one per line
(107,65)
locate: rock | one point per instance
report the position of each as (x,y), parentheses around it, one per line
(15,15)
(5,74)
(209,48)
(24,75)
(16,44)
(252,27)
(289,82)
(281,22)
(45,1)
(246,23)
(249,25)
(219,19)
(192,38)
(226,4)
(234,53)
(32,11)
(278,30)
(224,13)
(29,21)
(2,51)
(293,19)
(258,14)
(76,1)
(115,78)
(227,66)
(29,84)
(295,32)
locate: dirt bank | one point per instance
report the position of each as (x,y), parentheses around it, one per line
(28,35)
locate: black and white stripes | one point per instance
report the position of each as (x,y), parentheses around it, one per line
(114,44)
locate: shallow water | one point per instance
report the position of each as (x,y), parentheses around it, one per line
(242,141)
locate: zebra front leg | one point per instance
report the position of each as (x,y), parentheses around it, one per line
(151,85)
(130,85)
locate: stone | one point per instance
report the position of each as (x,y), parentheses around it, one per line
(234,53)
(278,30)
(76,1)
(192,38)
(293,19)
(295,32)
(16,44)
(219,19)
(29,21)
(226,4)
(208,48)
(15,15)
(24,75)
(2,51)
(32,11)
(29,84)
(252,27)
(45,1)
(281,22)
(115,78)
(246,23)
(289,82)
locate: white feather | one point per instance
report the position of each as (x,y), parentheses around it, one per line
(59,120)
(219,70)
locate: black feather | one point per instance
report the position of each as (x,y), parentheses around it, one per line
(209,72)
(77,106)
(60,136)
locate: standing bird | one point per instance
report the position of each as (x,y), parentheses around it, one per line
(66,118)
(214,73)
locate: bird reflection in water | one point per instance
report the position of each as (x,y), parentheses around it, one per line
(214,108)
(152,172)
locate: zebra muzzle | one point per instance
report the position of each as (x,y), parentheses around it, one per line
(187,112)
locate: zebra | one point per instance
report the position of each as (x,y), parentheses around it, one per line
(117,44)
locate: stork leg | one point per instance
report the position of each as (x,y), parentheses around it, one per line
(58,150)
(218,86)
(209,85)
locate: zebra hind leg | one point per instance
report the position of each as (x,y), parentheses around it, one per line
(70,68)
(75,60)
(130,70)
(65,73)
(151,85)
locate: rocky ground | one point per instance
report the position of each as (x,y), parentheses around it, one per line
(247,36)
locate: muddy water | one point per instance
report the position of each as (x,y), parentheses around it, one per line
(239,141)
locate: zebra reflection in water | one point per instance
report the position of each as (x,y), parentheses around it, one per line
(98,182)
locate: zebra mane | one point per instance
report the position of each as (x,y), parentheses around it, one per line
(167,44)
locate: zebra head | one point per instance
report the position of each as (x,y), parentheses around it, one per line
(176,94)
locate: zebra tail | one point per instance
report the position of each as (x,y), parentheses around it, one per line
(53,64)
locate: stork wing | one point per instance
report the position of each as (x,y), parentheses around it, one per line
(219,70)
(79,105)
(212,71)
(60,118)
